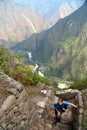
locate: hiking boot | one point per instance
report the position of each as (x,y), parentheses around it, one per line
(54,123)
(58,119)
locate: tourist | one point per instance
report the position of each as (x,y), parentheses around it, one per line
(59,107)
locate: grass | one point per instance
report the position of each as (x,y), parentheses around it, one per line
(31,90)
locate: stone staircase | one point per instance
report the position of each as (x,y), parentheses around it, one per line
(47,117)
(46,122)
(19,112)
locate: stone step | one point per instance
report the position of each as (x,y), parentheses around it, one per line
(48,125)
(46,121)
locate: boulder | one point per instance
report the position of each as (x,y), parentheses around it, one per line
(41,104)
(8,102)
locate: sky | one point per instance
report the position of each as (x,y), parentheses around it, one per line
(50,6)
(46,1)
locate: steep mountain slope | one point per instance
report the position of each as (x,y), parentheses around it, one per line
(64,10)
(18,22)
(62,48)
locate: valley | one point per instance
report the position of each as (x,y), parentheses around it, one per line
(62,48)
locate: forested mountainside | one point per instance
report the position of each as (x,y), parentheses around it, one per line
(62,48)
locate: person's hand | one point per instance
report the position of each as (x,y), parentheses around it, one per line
(76,106)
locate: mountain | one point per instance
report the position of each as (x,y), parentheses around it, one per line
(52,10)
(19,20)
(62,48)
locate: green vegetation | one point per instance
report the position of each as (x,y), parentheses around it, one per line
(79,84)
(70,59)
(31,91)
(22,73)
(6,59)
(20,56)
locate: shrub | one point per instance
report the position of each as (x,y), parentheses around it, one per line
(23,73)
(80,84)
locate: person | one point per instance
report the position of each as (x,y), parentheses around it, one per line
(59,107)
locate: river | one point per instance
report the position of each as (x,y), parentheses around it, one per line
(37,67)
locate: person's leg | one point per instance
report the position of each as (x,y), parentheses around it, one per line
(55,112)
(55,121)
(57,115)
